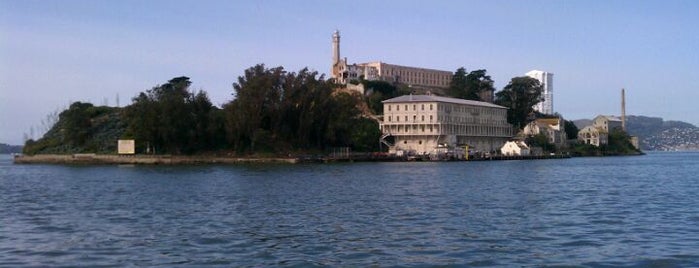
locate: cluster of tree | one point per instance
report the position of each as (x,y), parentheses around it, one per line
(378,91)
(520,96)
(273,111)
(171,119)
(277,110)
(82,127)
(618,143)
(474,85)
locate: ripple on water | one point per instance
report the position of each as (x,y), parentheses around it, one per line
(574,212)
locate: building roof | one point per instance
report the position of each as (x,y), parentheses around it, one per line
(548,121)
(433,98)
(609,117)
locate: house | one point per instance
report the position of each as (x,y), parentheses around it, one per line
(598,133)
(553,128)
(515,148)
(593,135)
(607,123)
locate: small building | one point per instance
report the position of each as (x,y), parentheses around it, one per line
(553,128)
(126,146)
(598,133)
(607,123)
(593,135)
(515,148)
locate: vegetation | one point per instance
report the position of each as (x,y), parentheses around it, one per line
(378,91)
(465,85)
(274,112)
(542,141)
(571,130)
(81,128)
(618,144)
(520,95)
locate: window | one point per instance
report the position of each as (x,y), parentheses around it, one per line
(389,108)
(423,107)
(397,107)
(397,118)
(406,118)
(430,118)
(423,118)
(414,118)
(389,118)
(414,107)
(406,107)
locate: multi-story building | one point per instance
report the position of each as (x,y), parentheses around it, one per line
(417,77)
(598,133)
(553,128)
(546,80)
(422,123)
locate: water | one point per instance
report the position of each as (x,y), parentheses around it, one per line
(615,211)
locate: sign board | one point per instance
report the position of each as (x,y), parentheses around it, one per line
(127,146)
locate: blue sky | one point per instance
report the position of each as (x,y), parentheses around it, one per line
(56,52)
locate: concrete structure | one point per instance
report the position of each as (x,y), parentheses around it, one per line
(593,135)
(423,123)
(598,133)
(546,80)
(126,146)
(553,128)
(343,72)
(607,122)
(515,148)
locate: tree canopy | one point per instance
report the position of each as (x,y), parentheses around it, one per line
(470,85)
(520,95)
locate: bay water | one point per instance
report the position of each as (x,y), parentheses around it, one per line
(640,211)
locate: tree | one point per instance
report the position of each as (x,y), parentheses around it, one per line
(76,123)
(520,95)
(470,85)
(171,119)
(571,130)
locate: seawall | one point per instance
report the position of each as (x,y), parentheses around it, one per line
(140,159)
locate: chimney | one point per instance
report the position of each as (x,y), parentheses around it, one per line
(623,110)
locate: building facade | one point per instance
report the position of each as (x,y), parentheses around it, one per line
(553,128)
(598,133)
(344,73)
(422,124)
(546,80)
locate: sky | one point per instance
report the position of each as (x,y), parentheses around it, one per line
(53,53)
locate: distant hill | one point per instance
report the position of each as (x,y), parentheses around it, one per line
(10,149)
(656,134)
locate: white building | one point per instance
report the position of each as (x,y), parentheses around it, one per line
(423,123)
(546,80)
(515,148)
(598,133)
(343,72)
(553,128)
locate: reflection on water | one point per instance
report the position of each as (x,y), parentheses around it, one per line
(617,211)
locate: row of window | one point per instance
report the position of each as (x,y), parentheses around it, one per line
(406,118)
(450,129)
(397,107)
